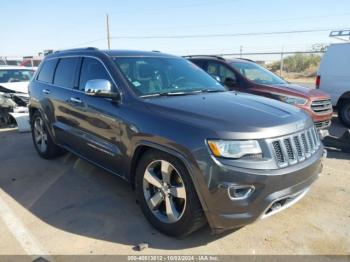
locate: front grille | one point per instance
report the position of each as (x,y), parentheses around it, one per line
(289,150)
(321,107)
(323,124)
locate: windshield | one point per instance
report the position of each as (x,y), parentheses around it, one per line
(159,75)
(257,73)
(15,75)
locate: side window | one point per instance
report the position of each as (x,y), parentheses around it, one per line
(66,72)
(47,70)
(220,70)
(199,63)
(213,68)
(226,72)
(92,69)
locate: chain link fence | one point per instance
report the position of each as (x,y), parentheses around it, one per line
(298,66)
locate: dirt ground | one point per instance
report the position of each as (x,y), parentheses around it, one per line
(67,206)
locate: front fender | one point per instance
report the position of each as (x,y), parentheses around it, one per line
(171,149)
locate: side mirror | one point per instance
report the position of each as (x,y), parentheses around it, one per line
(100,88)
(230,82)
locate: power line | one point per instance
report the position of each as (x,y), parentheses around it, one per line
(86,43)
(222,35)
(233,20)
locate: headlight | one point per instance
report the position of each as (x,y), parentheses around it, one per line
(293,100)
(234,149)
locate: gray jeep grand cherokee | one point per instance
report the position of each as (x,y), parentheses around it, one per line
(195,152)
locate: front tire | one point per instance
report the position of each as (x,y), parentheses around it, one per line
(42,140)
(344,112)
(166,194)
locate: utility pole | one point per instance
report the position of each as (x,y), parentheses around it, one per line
(281,63)
(240,51)
(108,35)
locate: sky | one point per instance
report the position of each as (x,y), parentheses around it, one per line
(29,27)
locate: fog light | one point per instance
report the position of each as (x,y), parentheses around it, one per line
(240,192)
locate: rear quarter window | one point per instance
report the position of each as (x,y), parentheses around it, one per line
(47,70)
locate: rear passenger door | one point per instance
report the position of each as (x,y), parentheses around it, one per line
(64,108)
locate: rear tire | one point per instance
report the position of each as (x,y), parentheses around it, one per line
(344,112)
(175,209)
(42,140)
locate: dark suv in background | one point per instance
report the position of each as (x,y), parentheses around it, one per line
(247,76)
(195,152)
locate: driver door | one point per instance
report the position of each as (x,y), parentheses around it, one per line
(99,120)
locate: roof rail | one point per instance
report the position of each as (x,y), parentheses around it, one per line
(78,49)
(213,56)
(246,59)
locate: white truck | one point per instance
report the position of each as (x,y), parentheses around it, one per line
(333,77)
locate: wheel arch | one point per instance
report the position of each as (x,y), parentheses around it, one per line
(141,147)
(345,96)
(33,110)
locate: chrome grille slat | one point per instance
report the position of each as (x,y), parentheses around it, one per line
(295,151)
(284,151)
(289,150)
(298,146)
(305,145)
(322,106)
(311,141)
(314,136)
(323,124)
(278,153)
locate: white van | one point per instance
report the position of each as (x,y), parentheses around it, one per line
(333,77)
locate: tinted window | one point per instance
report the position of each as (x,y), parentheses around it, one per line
(92,69)
(155,75)
(257,73)
(199,63)
(47,70)
(218,69)
(65,72)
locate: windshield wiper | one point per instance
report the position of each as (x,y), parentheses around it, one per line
(206,90)
(166,94)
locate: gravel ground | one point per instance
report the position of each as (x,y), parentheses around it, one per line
(67,206)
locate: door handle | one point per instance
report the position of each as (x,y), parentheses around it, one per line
(46,91)
(76,100)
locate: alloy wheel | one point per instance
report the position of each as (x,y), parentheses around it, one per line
(164,191)
(40,135)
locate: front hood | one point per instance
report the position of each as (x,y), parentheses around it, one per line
(233,115)
(18,87)
(299,90)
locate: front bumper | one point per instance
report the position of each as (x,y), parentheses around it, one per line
(322,121)
(274,190)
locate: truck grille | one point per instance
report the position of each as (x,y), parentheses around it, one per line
(321,107)
(289,150)
(323,124)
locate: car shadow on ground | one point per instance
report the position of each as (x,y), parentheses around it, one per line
(336,148)
(72,195)
(337,154)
